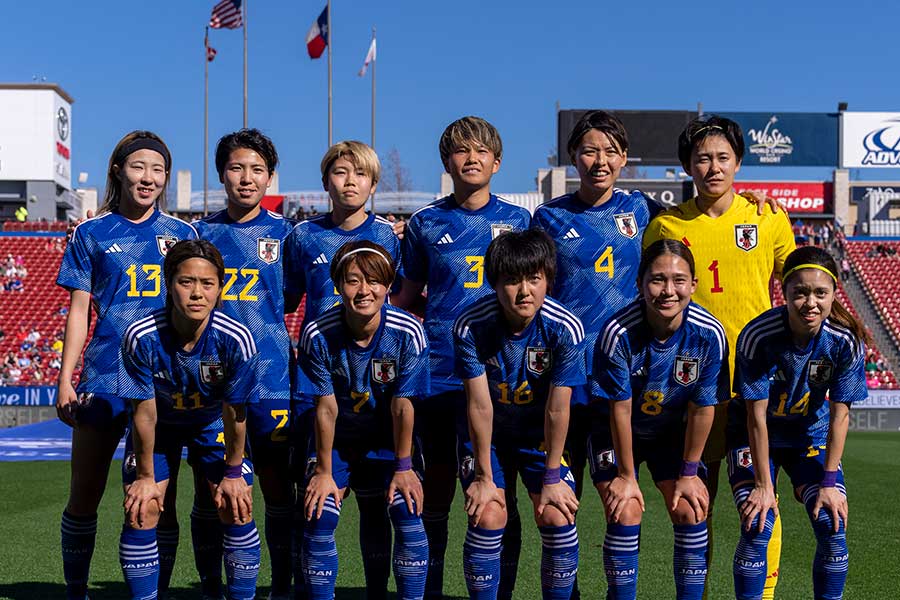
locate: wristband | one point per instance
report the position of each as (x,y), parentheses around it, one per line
(234,471)
(689,468)
(829,480)
(403,464)
(551,476)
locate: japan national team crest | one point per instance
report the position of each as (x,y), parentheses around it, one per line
(268,249)
(467,467)
(164,242)
(626,225)
(211,371)
(130,463)
(820,372)
(498,228)
(606,459)
(384,370)
(746,237)
(687,370)
(539,360)
(744,458)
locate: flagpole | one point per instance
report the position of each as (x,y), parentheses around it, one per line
(244,7)
(372,201)
(206,123)
(330,41)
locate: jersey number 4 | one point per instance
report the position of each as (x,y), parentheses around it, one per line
(605,264)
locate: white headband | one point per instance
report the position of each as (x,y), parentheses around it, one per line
(363,249)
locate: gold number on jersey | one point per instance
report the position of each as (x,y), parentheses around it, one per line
(151,274)
(250,276)
(476,265)
(362,398)
(716,288)
(178,397)
(605,264)
(522,394)
(279,434)
(652,404)
(801,408)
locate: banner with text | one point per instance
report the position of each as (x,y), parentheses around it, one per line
(788,139)
(870,139)
(798,197)
(37,395)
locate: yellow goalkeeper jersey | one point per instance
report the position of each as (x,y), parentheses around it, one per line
(735,256)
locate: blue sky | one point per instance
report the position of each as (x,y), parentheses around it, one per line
(140,65)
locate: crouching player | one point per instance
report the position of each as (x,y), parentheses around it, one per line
(519,353)
(660,367)
(367,361)
(189,371)
(799,367)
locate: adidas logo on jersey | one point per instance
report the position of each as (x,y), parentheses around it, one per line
(164,374)
(571,234)
(445,239)
(113,249)
(321,260)
(642,372)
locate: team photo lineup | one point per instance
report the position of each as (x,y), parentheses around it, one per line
(473,345)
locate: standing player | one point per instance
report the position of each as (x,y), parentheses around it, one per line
(366,361)
(444,249)
(251,240)
(190,373)
(113,263)
(800,367)
(519,353)
(659,370)
(737,251)
(350,172)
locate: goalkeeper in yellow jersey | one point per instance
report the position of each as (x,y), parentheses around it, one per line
(737,252)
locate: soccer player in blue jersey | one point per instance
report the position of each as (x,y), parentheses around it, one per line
(350,173)
(519,353)
(190,372)
(367,362)
(251,240)
(113,262)
(444,249)
(799,368)
(660,367)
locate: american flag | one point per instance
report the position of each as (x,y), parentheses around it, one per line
(227,14)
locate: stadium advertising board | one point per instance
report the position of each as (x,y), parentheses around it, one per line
(788,139)
(38,395)
(881,194)
(880,399)
(870,139)
(36,130)
(652,134)
(665,193)
(798,197)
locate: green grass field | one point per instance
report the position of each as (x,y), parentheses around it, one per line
(34,494)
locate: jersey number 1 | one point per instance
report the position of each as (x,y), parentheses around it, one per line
(714,268)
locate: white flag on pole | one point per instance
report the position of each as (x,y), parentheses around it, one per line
(370,57)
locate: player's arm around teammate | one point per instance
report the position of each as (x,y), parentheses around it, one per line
(658,373)
(799,369)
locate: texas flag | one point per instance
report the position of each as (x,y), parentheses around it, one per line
(317,37)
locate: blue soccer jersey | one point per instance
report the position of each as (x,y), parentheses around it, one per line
(796,380)
(444,247)
(311,246)
(189,386)
(520,368)
(598,250)
(660,377)
(254,288)
(364,380)
(120,263)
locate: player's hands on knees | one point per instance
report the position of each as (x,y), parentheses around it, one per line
(234,499)
(407,484)
(560,496)
(760,501)
(618,493)
(66,403)
(481,493)
(142,498)
(318,489)
(832,500)
(693,491)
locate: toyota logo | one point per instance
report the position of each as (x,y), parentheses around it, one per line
(62,124)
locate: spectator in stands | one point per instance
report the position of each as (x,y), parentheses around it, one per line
(34,336)
(870,362)
(872,381)
(23,361)
(37,376)
(21,272)
(57,345)
(17,285)
(2,334)
(845,268)
(63,310)
(20,262)
(10,359)
(15,373)
(54,363)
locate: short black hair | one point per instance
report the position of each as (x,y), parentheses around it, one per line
(185,250)
(703,127)
(519,254)
(601,121)
(252,139)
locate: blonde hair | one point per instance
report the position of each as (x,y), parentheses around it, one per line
(113,196)
(360,154)
(467,131)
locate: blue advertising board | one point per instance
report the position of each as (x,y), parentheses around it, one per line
(788,139)
(36,395)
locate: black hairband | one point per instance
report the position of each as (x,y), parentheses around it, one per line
(144,143)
